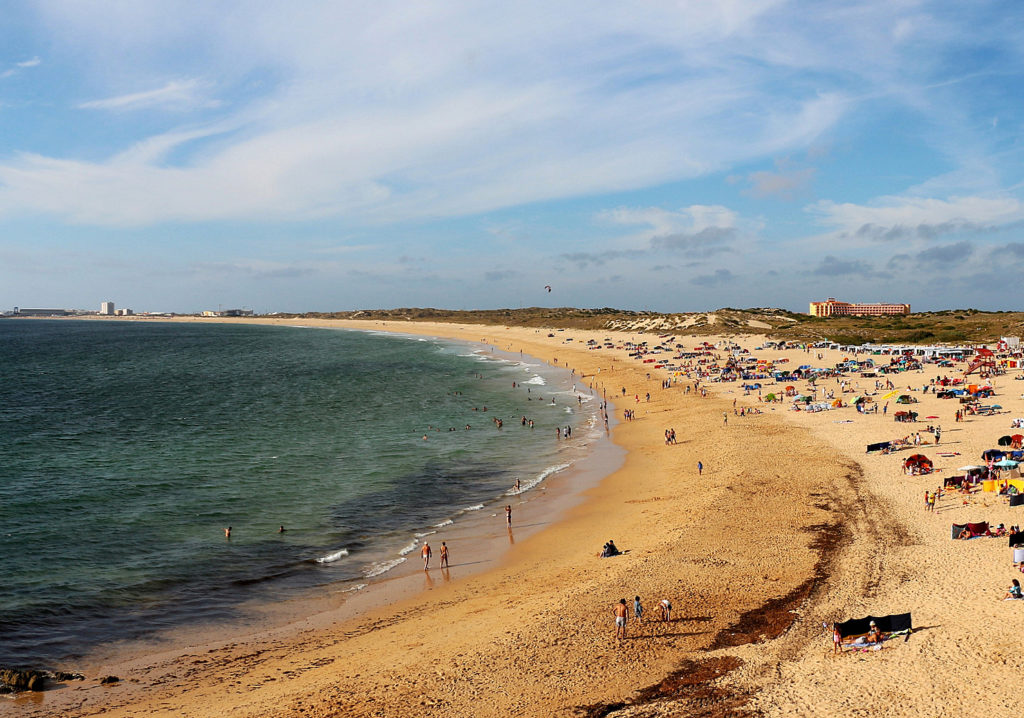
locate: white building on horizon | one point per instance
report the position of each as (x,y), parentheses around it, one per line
(107,309)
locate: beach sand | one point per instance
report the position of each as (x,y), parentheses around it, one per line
(790,525)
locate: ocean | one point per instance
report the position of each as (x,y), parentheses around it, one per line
(127,447)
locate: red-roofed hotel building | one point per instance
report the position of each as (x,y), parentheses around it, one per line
(832,308)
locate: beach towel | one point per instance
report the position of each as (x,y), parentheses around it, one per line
(886,624)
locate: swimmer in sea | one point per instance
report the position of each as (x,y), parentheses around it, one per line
(227,532)
(281,530)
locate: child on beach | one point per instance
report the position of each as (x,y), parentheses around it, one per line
(638,610)
(666,610)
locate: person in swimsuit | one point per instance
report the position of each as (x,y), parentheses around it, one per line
(621,614)
(426,553)
(444,555)
(508,514)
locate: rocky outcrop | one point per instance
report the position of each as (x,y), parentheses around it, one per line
(14,680)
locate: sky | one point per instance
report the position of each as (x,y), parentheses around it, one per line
(664,156)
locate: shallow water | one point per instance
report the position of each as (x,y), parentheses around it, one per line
(127,447)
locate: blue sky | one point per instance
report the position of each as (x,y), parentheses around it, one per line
(177,156)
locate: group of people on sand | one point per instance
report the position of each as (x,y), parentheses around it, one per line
(426,553)
(621,613)
(873,636)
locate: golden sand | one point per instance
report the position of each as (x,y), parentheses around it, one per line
(791,525)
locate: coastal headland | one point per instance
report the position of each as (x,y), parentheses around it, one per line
(788,526)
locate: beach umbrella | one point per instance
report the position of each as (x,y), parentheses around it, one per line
(1006,463)
(996,406)
(1005,441)
(770,397)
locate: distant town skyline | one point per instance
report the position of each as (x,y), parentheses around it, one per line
(671,157)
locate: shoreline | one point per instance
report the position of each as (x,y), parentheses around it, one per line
(556,583)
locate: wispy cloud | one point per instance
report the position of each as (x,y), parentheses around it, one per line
(176,94)
(896,218)
(28,63)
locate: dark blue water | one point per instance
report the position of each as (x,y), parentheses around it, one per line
(127,447)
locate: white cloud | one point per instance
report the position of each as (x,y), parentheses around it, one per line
(29,63)
(917,217)
(187,94)
(389,111)
(658,221)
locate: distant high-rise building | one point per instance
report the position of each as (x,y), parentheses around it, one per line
(107,309)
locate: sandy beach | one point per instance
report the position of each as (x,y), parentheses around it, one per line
(790,525)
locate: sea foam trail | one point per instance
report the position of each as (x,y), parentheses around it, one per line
(545,474)
(536,381)
(379,567)
(409,548)
(475,507)
(446,522)
(332,557)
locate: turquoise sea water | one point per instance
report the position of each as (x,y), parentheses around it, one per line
(127,447)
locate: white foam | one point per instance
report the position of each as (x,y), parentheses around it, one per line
(408,548)
(332,557)
(544,474)
(357,587)
(379,567)
(424,533)
(536,380)
(476,507)
(447,522)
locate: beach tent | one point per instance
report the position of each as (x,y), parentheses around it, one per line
(919,461)
(894,623)
(880,446)
(905,399)
(972,530)
(953,481)
(993,455)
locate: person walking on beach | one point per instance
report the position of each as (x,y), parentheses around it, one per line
(621,614)
(638,610)
(508,515)
(700,468)
(444,555)
(426,553)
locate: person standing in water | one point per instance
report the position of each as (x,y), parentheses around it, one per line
(508,515)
